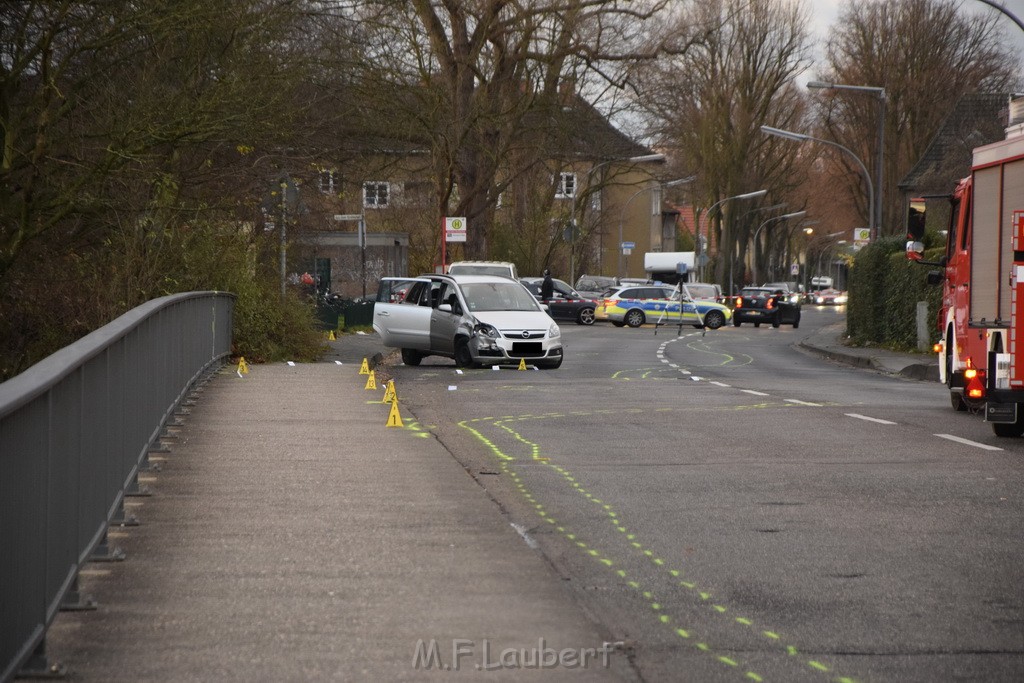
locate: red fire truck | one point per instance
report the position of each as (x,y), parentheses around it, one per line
(981,351)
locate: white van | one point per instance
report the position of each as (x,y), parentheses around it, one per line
(499,268)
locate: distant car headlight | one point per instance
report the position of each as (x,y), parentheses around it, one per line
(820,300)
(553,331)
(795,298)
(485,330)
(840,299)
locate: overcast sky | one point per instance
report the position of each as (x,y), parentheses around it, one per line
(825,12)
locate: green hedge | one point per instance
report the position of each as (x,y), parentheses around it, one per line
(884,290)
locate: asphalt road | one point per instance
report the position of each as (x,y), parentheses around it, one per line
(734,509)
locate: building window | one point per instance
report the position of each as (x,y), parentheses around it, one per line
(566,186)
(375,195)
(329,181)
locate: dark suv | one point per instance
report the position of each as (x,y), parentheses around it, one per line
(766,305)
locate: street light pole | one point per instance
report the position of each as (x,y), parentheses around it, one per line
(747,195)
(757,210)
(800,137)
(876,208)
(795,214)
(622,214)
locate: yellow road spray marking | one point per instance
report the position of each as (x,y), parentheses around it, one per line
(534,449)
(607,562)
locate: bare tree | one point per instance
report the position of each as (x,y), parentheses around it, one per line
(708,106)
(925,54)
(482,84)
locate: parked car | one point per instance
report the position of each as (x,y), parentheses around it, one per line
(794,291)
(766,305)
(592,286)
(502,268)
(566,304)
(830,297)
(634,305)
(474,319)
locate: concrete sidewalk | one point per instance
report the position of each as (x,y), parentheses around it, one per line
(293,536)
(829,342)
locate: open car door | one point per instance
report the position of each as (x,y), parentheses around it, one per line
(401,314)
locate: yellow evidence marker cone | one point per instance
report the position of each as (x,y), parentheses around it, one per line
(522,363)
(243,367)
(331,337)
(394,417)
(371,381)
(390,396)
(364,369)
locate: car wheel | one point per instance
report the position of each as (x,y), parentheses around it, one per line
(463,358)
(714,319)
(585,316)
(634,318)
(796,321)
(757,324)
(736,322)
(411,357)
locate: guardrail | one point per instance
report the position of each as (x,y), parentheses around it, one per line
(74,430)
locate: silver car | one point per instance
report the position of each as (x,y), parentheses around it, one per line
(474,319)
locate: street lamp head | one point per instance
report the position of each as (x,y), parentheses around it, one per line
(788,134)
(795,214)
(646,157)
(809,231)
(751,195)
(820,84)
(679,181)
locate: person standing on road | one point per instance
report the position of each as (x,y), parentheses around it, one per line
(547,288)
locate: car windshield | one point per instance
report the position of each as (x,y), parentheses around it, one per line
(755,291)
(498,296)
(701,291)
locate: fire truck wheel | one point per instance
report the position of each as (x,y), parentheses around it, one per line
(956,400)
(1012,429)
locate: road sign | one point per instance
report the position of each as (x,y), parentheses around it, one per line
(794,269)
(347,216)
(628,245)
(861,235)
(455,229)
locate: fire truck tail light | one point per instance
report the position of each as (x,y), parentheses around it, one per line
(970,373)
(937,347)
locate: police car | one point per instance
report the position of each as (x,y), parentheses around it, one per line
(634,305)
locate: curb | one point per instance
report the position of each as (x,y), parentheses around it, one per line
(918,371)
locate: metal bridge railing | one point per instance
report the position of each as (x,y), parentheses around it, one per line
(74,429)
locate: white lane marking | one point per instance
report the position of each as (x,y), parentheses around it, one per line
(695,378)
(720,384)
(686,372)
(802,403)
(526,536)
(755,393)
(968,442)
(869,419)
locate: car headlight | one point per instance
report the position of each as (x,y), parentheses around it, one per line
(485,330)
(795,298)
(553,331)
